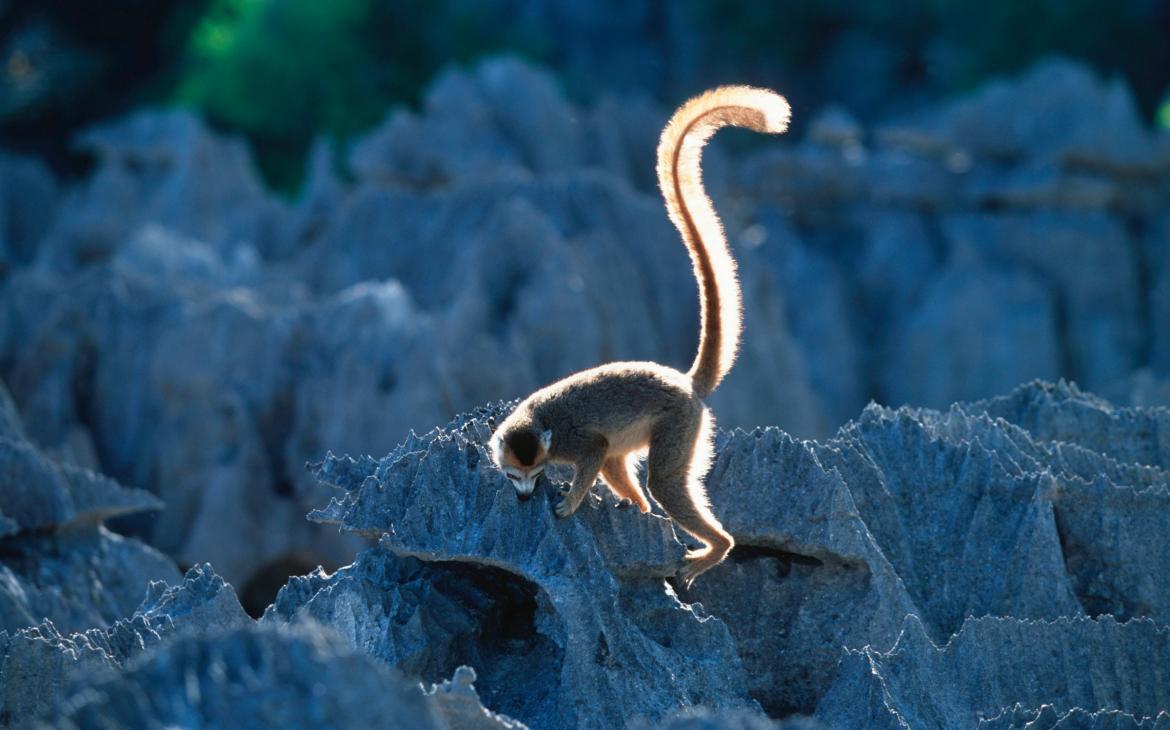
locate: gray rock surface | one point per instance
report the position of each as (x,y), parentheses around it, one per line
(1062,413)
(808,560)
(942,516)
(922,561)
(703,719)
(190,655)
(1048,718)
(1067,664)
(428,619)
(28,200)
(40,493)
(1030,118)
(890,518)
(164,168)
(59,562)
(78,577)
(40,667)
(119,375)
(507,106)
(1022,249)
(10,424)
(930,355)
(257,676)
(457,703)
(1088,263)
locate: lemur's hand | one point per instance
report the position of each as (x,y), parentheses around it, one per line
(568,504)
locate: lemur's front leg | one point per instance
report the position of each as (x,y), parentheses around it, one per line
(585,470)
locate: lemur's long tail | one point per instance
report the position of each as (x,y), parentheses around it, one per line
(680,176)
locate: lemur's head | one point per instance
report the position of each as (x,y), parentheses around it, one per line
(521,453)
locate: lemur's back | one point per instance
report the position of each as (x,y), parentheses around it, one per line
(627,390)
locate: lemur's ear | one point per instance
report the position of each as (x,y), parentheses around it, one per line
(546,440)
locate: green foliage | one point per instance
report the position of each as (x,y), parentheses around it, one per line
(282,71)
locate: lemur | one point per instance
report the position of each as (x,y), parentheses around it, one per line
(603,419)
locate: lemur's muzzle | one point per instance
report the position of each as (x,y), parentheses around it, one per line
(525,487)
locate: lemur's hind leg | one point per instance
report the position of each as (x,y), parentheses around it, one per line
(680,454)
(618,473)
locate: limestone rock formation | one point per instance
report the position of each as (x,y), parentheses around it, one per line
(189,653)
(998,562)
(984,670)
(457,703)
(945,517)
(29,197)
(941,515)
(258,676)
(41,667)
(60,562)
(579,606)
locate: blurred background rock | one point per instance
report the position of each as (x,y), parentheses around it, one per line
(238,234)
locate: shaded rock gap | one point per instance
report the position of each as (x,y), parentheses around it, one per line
(262,586)
(509,642)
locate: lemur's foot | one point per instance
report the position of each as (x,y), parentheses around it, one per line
(697,562)
(687,574)
(625,502)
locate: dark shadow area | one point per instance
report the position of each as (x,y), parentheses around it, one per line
(66,65)
(784,560)
(261,589)
(19,552)
(518,668)
(1103,581)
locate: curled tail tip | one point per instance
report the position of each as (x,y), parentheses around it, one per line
(773,107)
(758,109)
(777,115)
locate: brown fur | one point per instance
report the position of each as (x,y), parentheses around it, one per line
(601,419)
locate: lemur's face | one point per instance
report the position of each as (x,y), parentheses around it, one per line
(522,455)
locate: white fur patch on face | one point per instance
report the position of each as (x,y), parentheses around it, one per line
(525,487)
(524,483)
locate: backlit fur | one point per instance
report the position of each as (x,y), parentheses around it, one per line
(603,420)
